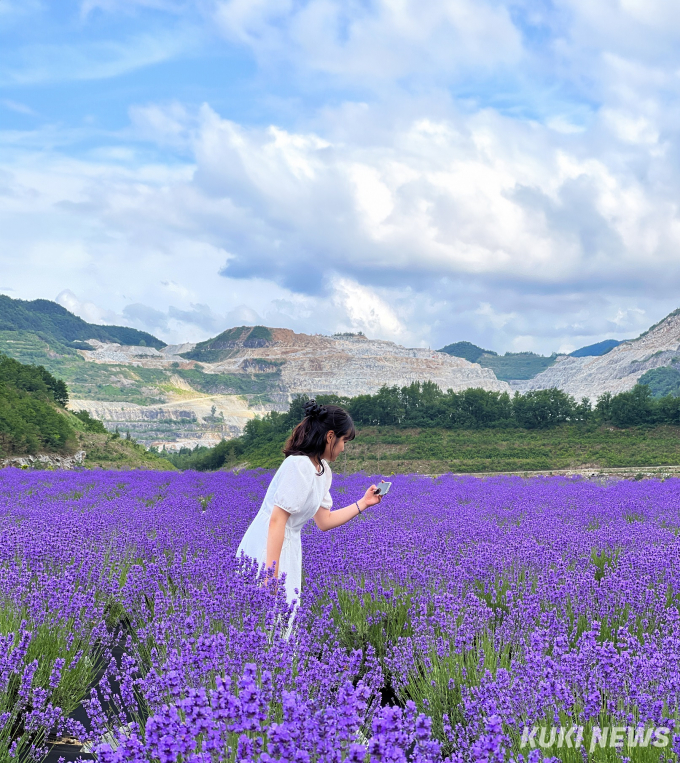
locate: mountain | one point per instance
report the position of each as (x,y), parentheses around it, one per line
(32,415)
(508,367)
(223,345)
(518,366)
(600,348)
(191,394)
(59,332)
(620,368)
(467,350)
(662,381)
(209,390)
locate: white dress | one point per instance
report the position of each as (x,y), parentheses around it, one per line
(298,489)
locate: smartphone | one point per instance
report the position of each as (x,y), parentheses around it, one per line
(382,488)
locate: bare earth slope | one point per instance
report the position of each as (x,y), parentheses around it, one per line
(618,370)
(288,363)
(356,365)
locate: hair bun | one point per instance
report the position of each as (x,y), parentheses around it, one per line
(315,411)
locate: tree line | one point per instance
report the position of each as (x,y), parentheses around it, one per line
(33,416)
(30,398)
(424,405)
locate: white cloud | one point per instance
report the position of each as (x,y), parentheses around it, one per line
(167,125)
(373,42)
(436,233)
(101,59)
(85,309)
(438,172)
(366,311)
(19,108)
(242,315)
(496,319)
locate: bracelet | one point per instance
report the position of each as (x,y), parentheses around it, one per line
(358,507)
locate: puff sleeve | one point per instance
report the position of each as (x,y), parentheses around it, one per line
(294,484)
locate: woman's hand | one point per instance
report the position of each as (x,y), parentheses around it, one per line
(327,520)
(370,498)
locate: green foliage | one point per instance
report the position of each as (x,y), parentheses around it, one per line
(466,350)
(33,379)
(30,416)
(633,408)
(517,365)
(425,405)
(29,425)
(419,427)
(592,350)
(540,409)
(222,346)
(91,425)
(55,325)
(662,381)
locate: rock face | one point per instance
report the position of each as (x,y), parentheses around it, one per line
(188,422)
(618,370)
(280,361)
(355,365)
(45,460)
(347,365)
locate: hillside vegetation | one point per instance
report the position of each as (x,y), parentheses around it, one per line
(421,428)
(520,365)
(662,381)
(61,331)
(32,415)
(394,450)
(512,365)
(34,420)
(221,347)
(595,350)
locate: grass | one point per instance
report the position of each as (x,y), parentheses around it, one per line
(564,447)
(110,452)
(390,450)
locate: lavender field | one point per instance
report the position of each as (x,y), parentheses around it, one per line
(449,623)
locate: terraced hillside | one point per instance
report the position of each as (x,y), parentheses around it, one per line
(189,394)
(619,369)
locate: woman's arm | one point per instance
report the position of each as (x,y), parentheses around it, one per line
(277,529)
(326,519)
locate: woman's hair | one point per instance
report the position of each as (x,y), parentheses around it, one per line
(309,436)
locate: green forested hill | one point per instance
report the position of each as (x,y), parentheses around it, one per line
(221,347)
(31,330)
(468,351)
(512,365)
(519,365)
(32,418)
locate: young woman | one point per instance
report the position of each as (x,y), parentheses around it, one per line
(299,491)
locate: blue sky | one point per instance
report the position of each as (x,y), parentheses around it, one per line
(502,172)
